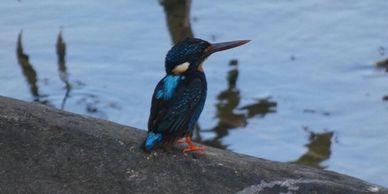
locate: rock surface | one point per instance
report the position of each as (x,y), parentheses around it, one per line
(44,150)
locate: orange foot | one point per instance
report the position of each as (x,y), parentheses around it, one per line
(192,147)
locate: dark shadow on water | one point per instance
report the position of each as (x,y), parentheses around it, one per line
(229,114)
(312,111)
(260,108)
(91,102)
(319,149)
(63,75)
(382,64)
(178,18)
(28,71)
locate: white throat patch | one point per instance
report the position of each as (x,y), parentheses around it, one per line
(181,68)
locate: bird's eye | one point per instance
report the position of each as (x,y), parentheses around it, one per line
(181,68)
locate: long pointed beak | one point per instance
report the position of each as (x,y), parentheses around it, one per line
(224,46)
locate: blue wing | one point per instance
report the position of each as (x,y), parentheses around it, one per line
(175,117)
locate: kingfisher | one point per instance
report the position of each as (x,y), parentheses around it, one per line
(179,97)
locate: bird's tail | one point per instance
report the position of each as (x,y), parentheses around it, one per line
(151,140)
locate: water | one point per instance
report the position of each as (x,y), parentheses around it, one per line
(305,90)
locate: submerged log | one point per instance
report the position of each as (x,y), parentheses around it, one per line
(45,150)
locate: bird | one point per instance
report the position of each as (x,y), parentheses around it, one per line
(179,97)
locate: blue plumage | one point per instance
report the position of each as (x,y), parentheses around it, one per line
(180,96)
(170,82)
(151,140)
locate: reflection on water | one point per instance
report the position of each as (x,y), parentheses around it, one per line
(229,115)
(228,101)
(91,101)
(63,75)
(383,64)
(311,111)
(260,108)
(381,50)
(319,149)
(28,71)
(178,18)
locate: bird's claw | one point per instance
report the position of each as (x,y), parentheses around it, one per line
(194,149)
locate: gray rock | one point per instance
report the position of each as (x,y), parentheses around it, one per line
(44,150)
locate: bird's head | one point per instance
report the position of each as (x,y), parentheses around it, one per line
(188,55)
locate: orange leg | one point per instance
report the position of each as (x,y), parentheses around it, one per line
(192,147)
